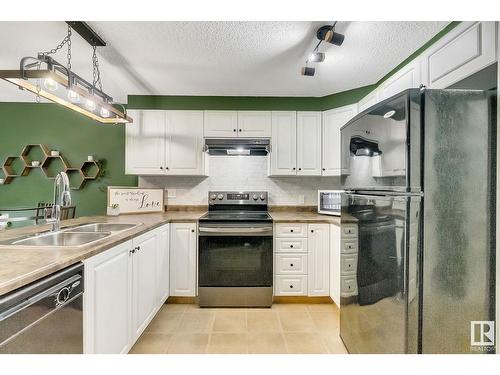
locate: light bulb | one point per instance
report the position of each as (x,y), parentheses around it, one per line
(90,104)
(50,84)
(104,112)
(389,114)
(73,96)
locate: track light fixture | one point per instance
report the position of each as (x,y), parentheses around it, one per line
(324,34)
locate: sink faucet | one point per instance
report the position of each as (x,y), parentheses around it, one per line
(62,198)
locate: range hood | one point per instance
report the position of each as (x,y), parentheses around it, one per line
(237,147)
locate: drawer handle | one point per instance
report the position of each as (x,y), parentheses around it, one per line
(291,230)
(291,286)
(312,230)
(291,264)
(291,246)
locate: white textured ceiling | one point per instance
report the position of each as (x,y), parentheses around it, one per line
(221,58)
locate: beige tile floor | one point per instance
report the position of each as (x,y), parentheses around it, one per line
(284,328)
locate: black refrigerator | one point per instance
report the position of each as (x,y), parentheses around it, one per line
(419,174)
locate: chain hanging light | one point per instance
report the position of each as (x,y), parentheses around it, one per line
(47,78)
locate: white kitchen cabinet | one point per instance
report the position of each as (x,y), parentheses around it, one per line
(184,143)
(333,120)
(145,143)
(163,263)
(220,124)
(318,282)
(368,100)
(468,48)
(407,77)
(107,301)
(165,143)
(183,259)
(144,281)
(283,155)
(309,143)
(335,263)
(254,124)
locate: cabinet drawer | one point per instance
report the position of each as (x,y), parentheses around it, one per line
(289,264)
(349,230)
(291,285)
(348,263)
(349,245)
(291,230)
(288,245)
(348,286)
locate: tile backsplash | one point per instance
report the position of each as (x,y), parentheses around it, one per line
(241,173)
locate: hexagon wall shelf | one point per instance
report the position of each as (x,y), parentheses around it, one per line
(51,165)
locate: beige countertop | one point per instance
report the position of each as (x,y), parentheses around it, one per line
(303,217)
(20,266)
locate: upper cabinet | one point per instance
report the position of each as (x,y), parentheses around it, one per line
(254,124)
(368,101)
(333,120)
(283,156)
(165,143)
(145,143)
(230,124)
(295,144)
(220,124)
(405,78)
(465,50)
(309,143)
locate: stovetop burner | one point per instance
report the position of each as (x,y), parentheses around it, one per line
(237,206)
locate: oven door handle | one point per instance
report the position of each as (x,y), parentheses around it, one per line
(236,231)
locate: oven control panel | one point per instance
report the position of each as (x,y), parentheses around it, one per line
(237,197)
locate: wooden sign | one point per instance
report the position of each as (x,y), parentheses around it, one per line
(136,200)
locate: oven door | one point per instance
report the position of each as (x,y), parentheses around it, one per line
(235,255)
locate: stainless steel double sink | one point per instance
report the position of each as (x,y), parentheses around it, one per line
(71,236)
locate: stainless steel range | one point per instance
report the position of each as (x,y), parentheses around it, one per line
(235,262)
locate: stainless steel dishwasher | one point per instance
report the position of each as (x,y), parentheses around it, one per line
(44,317)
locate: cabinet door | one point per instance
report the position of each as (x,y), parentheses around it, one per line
(183,259)
(333,120)
(465,50)
(335,263)
(107,301)
(283,155)
(318,283)
(309,143)
(145,143)
(368,101)
(254,124)
(163,263)
(184,146)
(144,287)
(220,124)
(406,78)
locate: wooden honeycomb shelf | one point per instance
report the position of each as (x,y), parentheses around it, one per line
(17,166)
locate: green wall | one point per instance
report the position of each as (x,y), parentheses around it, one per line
(75,136)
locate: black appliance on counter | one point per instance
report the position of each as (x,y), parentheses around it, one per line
(235,260)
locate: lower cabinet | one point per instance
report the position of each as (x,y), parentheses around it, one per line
(183,259)
(124,289)
(302,259)
(144,281)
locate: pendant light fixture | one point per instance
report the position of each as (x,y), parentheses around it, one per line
(47,78)
(324,34)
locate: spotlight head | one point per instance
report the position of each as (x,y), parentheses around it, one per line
(317,57)
(328,35)
(307,71)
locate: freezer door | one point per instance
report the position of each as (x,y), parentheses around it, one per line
(380,148)
(380,294)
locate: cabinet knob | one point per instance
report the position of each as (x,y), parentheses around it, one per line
(291,230)
(132,251)
(239,130)
(293,168)
(312,231)
(167,168)
(300,169)
(291,286)
(291,246)
(161,167)
(192,230)
(234,130)
(324,169)
(291,264)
